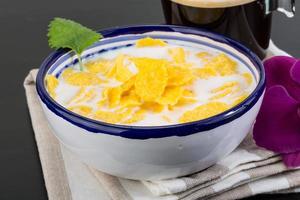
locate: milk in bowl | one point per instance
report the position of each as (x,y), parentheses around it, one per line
(153,82)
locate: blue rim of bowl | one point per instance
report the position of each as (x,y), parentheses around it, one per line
(147,132)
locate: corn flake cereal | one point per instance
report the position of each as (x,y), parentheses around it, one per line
(116,116)
(184,101)
(83,79)
(204,56)
(166,118)
(81,109)
(175,85)
(113,96)
(178,54)
(248,78)
(67,72)
(136,116)
(130,100)
(204,111)
(152,107)
(88,96)
(149,42)
(51,83)
(99,66)
(152,78)
(122,72)
(206,72)
(171,96)
(179,76)
(78,94)
(239,99)
(225,86)
(223,65)
(222,94)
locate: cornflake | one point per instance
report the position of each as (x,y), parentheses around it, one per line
(178,54)
(51,84)
(152,78)
(149,42)
(83,79)
(81,109)
(204,111)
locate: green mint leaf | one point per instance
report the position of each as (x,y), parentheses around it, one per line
(64,33)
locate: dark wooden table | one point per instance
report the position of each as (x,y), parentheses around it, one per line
(23,45)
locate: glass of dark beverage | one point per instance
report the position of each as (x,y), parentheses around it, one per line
(247,21)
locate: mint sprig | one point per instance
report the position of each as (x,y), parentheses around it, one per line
(65,33)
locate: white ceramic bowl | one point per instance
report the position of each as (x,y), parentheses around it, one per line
(158,152)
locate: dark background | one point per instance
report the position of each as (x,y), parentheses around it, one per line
(23,46)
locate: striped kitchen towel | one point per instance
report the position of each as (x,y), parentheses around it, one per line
(247,171)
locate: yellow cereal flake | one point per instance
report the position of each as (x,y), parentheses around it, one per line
(171,96)
(88,96)
(219,65)
(182,65)
(113,117)
(223,65)
(67,72)
(130,100)
(128,84)
(111,72)
(185,101)
(140,62)
(248,78)
(149,42)
(102,103)
(117,67)
(51,84)
(135,117)
(203,55)
(178,75)
(78,94)
(98,66)
(81,109)
(113,96)
(206,72)
(203,111)
(224,93)
(153,107)
(122,72)
(177,54)
(152,78)
(188,97)
(225,86)
(166,118)
(239,99)
(83,79)
(188,93)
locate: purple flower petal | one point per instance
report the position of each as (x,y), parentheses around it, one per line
(277,126)
(277,70)
(285,71)
(291,159)
(295,72)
